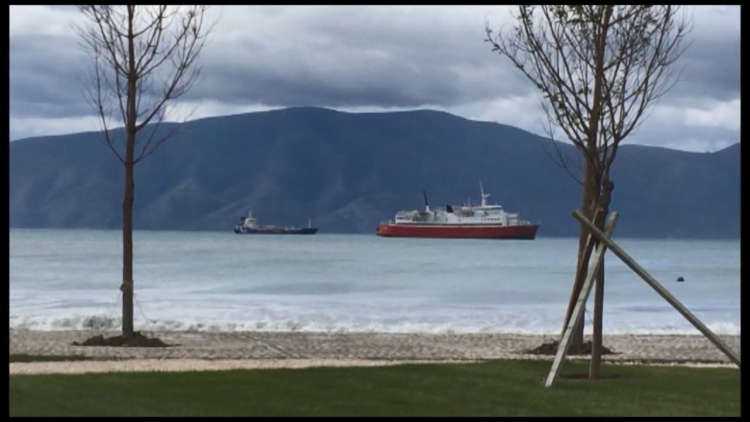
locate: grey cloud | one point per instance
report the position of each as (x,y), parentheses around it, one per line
(46,77)
(396,82)
(341,57)
(344,64)
(328,63)
(65,8)
(711,69)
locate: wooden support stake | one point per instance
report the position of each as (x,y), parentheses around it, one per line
(630,262)
(562,348)
(586,252)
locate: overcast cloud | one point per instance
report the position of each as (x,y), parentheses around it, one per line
(366,58)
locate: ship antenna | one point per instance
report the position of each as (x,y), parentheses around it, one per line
(426,202)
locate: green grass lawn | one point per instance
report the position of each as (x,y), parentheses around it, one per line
(492,388)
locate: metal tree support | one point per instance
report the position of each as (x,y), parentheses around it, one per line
(562,348)
(630,262)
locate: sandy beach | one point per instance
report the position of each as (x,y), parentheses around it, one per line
(247,350)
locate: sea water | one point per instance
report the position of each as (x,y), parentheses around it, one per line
(209,281)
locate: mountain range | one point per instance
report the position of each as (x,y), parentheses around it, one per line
(349,171)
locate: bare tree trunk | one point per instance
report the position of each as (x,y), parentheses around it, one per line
(593,180)
(154,63)
(583,259)
(596,343)
(127,252)
(584,253)
(129,196)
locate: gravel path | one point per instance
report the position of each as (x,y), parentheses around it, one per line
(187,365)
(244,350)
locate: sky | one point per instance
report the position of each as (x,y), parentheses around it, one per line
(366,59)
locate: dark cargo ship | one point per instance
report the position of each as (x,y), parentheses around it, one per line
(249,225)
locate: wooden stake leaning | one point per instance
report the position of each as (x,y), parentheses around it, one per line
(603,238)
(573,298)
(562,348)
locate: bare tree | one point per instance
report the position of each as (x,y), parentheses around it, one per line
(599,69)
(145,57)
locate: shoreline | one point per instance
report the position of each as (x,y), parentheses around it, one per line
(257,350)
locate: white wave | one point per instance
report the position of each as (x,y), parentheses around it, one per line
(105,323)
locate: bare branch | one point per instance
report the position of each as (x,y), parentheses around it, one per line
(150,146)
(145,58)
(599,69)
(561,161)
(99,101)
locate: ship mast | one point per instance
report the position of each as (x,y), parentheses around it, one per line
(484,195)
(426,202)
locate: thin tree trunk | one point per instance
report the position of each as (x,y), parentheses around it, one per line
(127,202)
(593,182)
(127,252)
(577,336)
(584,253)
(596,342)
(127,72)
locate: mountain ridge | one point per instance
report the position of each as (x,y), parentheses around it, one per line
(348,171)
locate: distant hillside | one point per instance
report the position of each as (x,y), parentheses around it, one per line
(349,171)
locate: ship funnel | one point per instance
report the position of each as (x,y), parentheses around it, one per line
(426,202)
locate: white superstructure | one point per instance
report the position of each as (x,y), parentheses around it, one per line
(482,215)
(248,222)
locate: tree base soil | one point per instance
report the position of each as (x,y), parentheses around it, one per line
(550,348)
(138,340)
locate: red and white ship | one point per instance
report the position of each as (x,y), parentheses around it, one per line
(460,222)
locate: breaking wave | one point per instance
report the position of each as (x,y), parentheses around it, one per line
(105,323)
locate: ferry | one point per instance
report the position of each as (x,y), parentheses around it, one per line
(484,221)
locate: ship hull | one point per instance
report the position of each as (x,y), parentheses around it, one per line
(279,230)
(445,231)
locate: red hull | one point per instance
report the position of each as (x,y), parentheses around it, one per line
(527,232)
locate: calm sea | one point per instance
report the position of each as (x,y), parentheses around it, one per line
(69,279)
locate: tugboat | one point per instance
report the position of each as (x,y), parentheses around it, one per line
(249,225)
(463,222)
